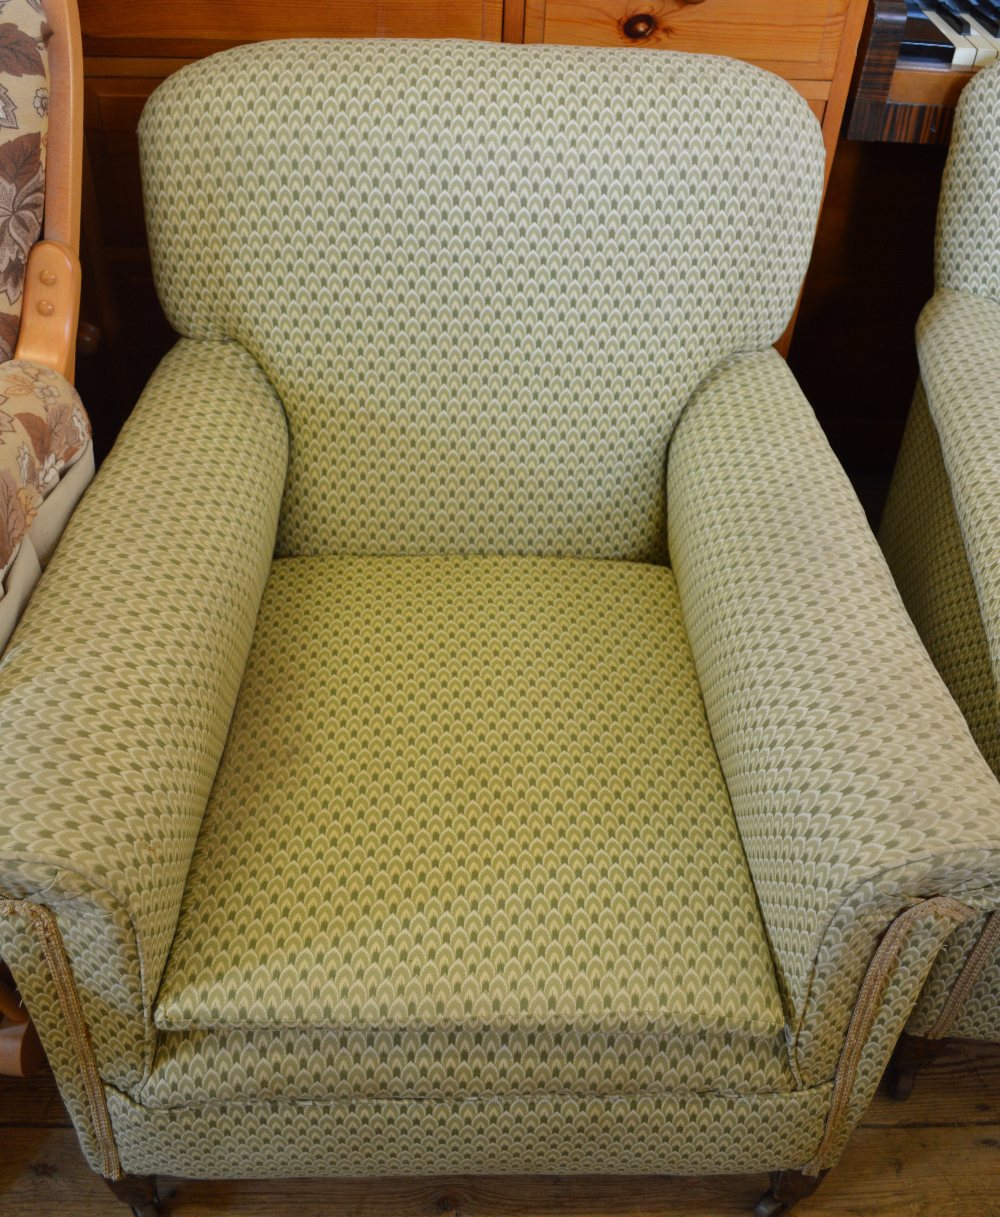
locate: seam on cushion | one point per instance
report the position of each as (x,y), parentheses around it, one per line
(485,1097)
(46,931)
(691,1027)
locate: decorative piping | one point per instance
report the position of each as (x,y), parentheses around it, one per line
(869,1005)
(46,930)
(980,955)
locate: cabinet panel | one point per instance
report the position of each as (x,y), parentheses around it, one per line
(196,27)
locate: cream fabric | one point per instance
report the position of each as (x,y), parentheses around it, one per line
(497,807)
(53,515)
(142,624)
(19,582)
(941,522)
(481,285)
(854,780)
(483,279)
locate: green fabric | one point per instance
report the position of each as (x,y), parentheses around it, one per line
(942,519)
(117,690)
(483,279)
(470,838)
(320,1064)
(853,778)
(907,974)
(922,540)
(968,241)
(503,811)
(21,951)
(534,1134)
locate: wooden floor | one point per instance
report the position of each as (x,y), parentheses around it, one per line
(937,1155)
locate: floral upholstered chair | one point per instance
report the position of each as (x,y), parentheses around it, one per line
(491,741)
(46,455)
(941,529)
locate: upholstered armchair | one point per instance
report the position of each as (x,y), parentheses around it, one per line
(469,726)
(940,531)
(46,454)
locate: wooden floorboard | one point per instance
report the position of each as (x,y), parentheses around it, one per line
(937,1155)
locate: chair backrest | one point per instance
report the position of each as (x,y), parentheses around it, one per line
(46,454)
(482,279)
(24,123)
(968,235)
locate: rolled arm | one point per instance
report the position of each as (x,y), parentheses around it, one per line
(856,785)
(957,345)
(117,690)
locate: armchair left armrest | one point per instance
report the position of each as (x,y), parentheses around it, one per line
(857,787)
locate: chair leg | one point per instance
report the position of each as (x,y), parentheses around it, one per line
(911,1054)
(786,1190)
(139,1193)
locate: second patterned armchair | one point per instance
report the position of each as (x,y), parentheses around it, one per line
(941,529)
(469,726)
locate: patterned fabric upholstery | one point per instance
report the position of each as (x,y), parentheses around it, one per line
(968,243)
(43,431)
(922,539)
(819,698)
(479,882)
(43,427)
(498,815)
(941,522)
(24,108)
(486,282)
(100,807)
(553,1133)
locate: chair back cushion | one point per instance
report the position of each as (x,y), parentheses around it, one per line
(483,279)
(24,110)
(968,226)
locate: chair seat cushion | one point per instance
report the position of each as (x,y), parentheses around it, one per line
(470,797)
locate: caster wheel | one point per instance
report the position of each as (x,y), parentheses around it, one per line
(148,1208)
(770,1206)
(901,1084)
(901,1087)
(139,1194)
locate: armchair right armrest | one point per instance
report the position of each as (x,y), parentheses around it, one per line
(857,788)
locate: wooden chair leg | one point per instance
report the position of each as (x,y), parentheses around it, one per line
(139,1193)
(911,1054)
(21,1052)
(786,1190)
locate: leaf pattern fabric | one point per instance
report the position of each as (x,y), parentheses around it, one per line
(853,778)
(43,431)
(942,519)
(500,813)
(483,279)
(24,96)
(397,856)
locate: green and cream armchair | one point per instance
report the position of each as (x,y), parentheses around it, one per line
(469,726)
(941,529)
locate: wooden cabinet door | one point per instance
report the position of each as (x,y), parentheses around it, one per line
(797,39)
(193,28)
